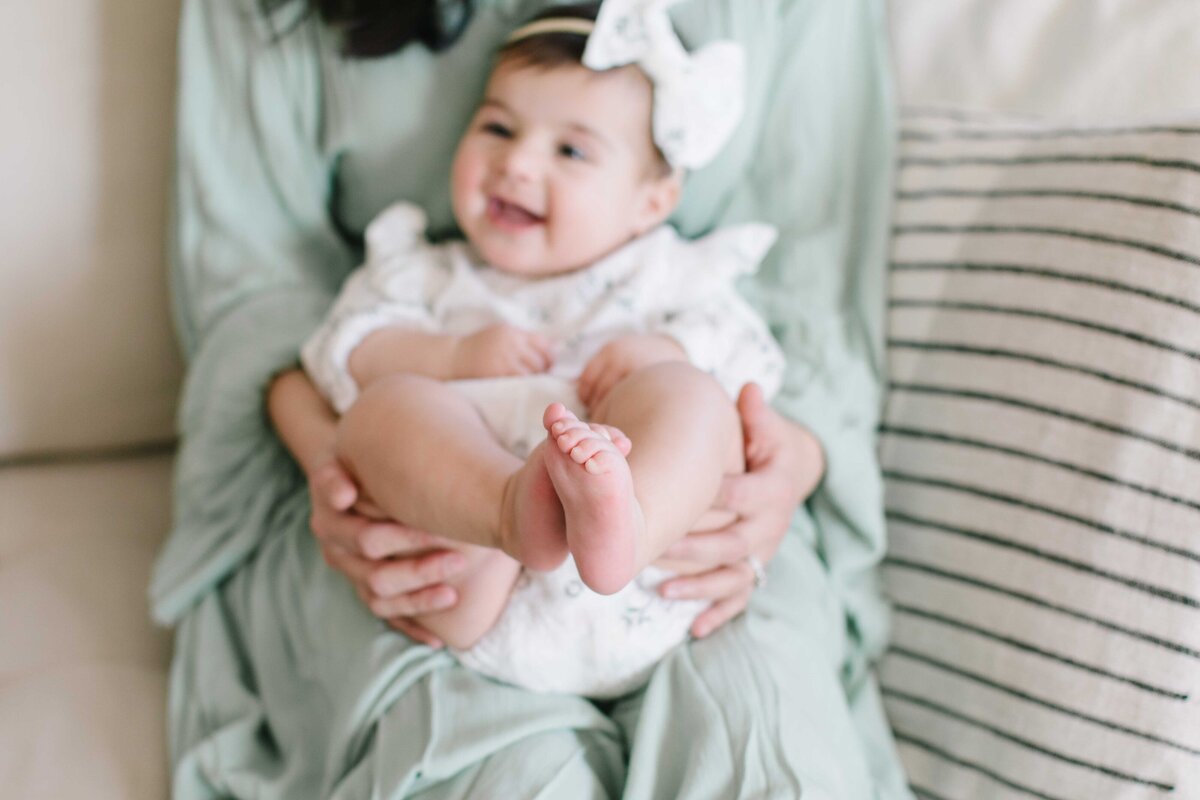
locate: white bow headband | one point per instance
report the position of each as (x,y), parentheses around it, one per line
(697,97)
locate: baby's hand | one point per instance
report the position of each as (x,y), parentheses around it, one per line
(500,350)
(620,357)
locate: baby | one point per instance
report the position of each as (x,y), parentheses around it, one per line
(465,371)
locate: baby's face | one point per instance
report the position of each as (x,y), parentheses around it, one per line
(557,168)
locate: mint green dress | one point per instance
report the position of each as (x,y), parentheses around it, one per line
(283,685)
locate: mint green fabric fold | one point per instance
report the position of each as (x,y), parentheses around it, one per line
(283,685)
(223,486)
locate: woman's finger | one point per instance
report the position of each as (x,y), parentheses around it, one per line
(724,546)
(745,493)
(400,589)
(812,460)
(434,598)
(416,631)
(356,569)
(715,584)
(366,507)
(757,419)
(332,484)
(380,540)
(391,578)
(337,528)
(774,441)
(719,613)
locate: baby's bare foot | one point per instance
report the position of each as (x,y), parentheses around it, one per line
(604,522)
(532,525)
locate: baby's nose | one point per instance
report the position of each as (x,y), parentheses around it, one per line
(520,162)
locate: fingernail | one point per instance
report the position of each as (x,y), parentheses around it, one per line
(702,631)
(454,563)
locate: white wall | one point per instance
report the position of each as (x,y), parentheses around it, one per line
(87,358)
(1092,59)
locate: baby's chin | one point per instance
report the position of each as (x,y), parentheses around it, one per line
(524,264)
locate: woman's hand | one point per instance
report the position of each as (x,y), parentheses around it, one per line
(397,571)
(784,464)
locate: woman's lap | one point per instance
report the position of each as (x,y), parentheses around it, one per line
(284,686)
(755,710)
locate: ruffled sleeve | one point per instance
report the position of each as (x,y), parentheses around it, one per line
(394,288)
(716,327)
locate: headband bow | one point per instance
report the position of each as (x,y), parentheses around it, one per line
(697,97)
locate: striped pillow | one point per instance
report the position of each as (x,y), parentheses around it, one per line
(1042,454)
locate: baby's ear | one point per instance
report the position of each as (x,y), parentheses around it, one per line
(660,196)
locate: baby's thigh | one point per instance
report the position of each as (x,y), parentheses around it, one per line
(680,399)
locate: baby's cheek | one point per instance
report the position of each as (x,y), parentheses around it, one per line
(591,227)
(465,179)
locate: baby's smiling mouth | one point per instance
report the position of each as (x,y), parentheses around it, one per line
(511,216)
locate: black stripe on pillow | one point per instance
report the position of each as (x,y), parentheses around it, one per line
(1041,452)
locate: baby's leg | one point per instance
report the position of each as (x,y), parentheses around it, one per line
(622,513)
(422,453)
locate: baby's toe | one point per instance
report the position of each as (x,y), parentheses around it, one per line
(614,435)
(589,447)
(557,413)
(604,461)
(571,435)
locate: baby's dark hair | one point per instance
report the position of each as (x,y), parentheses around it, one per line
(554,49)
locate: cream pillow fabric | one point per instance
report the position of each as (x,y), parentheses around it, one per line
(1042,454)
(1093,58)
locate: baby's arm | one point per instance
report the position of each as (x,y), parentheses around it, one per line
(494,351)
(392,350)
(369,336)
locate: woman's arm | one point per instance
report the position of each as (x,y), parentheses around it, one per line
(304,421)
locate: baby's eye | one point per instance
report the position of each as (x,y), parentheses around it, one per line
(572,152)
(497,129)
